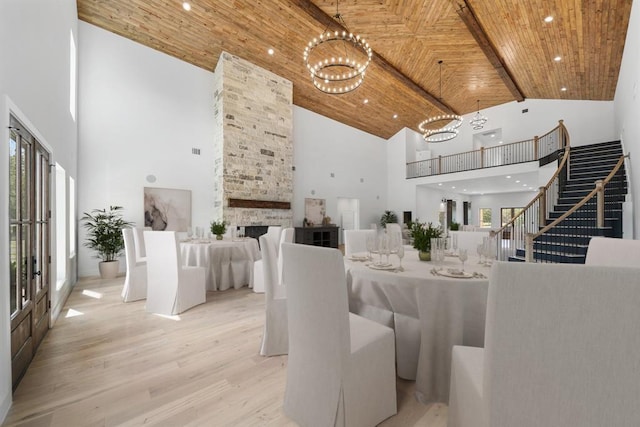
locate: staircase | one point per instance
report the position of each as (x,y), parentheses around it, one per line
(567,242)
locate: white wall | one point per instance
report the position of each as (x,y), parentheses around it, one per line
(588,122)
(141,113)
(401,194)
(356,159)
(34,85)
(627,110)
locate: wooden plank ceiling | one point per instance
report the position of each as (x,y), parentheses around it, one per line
(494,51)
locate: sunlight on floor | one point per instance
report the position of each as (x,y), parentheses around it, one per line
(175,317)
(73,313)
(92,294)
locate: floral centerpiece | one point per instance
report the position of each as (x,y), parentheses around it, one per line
(422,233)
(218,228)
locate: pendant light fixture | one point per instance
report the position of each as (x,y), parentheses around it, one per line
(478,120)
(450,122)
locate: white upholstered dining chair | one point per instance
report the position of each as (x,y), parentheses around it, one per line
(274,235)
(341,367)
(275,339)
(138,240)
(613,252)
(355,241)
(171,287)
(135,281)
(561,349)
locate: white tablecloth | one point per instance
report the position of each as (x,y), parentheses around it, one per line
(429,314)
(228,263)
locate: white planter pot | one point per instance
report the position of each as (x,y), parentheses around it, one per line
(109,269)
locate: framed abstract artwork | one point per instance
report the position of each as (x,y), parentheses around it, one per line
(167,209)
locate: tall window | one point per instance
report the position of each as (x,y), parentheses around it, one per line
(72,75)
(72,217)
(506,214)
(485,217)
(61,225)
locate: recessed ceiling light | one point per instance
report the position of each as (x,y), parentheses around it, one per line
(366,101)
(564,89)
(524,185)
(557,58)
(493,135)
(548,19)
(186,6)
(464,189)
(508,177)
(440,184)
(453,188)
(271,51)
(395,116)
(518,182)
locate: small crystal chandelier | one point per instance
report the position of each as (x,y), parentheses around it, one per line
(478,120)
(337,60)
(445,132)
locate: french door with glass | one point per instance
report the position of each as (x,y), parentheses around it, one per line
(29,215)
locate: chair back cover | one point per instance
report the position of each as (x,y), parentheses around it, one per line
(287,236)
(561,346)
(356,241)
(273,233)
(319,337)
(135,281)
(613,252)
(138,240)
(269,268)
(275,340)
(129,248)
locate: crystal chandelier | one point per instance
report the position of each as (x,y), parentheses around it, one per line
(337,60)
(478,120)
(449,123)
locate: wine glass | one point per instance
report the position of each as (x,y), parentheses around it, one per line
(480,252)
(400,254)
(371,245)
(463,257)
(454,243)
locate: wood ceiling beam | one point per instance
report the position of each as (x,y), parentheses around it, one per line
(321,16)
(467,15)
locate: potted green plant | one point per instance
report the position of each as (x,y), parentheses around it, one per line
(104,235)
(422,234)
(454,226)
(388,216)
(218,228)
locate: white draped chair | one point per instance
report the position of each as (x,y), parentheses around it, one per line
(341,367)
(171,287)
(273,234)
(138,240)
(561,349)
(287,236)
(355,241)
(613,252)
(135,281)
(275,339)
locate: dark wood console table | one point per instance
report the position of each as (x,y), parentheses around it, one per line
(318,236)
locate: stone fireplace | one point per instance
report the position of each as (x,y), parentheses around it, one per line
(253,144)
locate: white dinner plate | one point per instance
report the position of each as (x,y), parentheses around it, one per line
(382,266)
(455,274)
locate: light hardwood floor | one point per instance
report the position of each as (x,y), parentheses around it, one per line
(107,363)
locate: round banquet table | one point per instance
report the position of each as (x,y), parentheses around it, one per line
(228,263)
(429,314)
